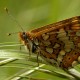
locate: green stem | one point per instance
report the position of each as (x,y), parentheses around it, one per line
(24,73)
(3,62)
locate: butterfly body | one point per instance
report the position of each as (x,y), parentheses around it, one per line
(57,43)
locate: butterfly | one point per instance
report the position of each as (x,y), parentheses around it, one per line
(57,43)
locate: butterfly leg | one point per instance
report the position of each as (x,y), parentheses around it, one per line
(38,58)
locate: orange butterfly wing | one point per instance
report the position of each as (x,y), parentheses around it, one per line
(59,43)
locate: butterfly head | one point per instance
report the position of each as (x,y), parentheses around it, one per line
(23,36)
(28,41)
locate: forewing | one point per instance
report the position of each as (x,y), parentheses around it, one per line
(60,42)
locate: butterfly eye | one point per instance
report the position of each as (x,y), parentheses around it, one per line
(24,36)
(69,58)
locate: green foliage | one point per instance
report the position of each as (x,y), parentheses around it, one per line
(15,65)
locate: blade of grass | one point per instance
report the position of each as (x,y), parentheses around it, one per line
(75,73)
(3,62)
(8,54)
(24,73)
(11,45)
(63,75)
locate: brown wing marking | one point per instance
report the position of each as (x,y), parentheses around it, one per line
(68,22)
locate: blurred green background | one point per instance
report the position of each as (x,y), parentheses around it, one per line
(32,14)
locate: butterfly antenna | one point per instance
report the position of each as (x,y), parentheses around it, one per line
(13,18)
(9,34)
